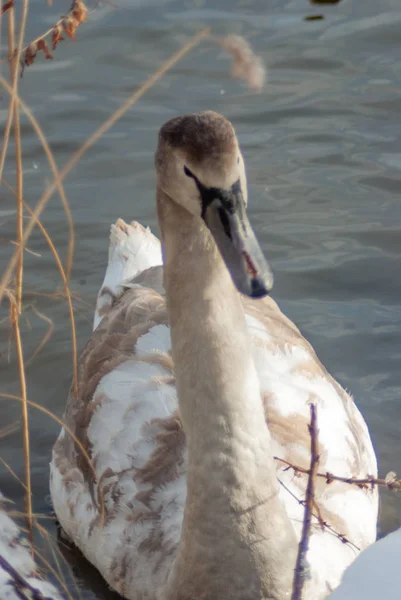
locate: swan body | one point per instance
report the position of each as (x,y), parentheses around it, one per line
(375,573)
(19,575)
(187,392)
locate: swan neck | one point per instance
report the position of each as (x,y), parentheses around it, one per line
(232,488)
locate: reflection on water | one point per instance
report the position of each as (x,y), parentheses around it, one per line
(322,145)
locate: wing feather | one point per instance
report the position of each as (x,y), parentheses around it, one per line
(126,417)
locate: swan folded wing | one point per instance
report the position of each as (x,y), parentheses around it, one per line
(126,418)
(132,249)
(124,508)
(291,377)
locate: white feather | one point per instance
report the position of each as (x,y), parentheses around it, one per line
(133,248)
(15,549)
(123,435)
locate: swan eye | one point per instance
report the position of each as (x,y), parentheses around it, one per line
(188,173)
(238,161)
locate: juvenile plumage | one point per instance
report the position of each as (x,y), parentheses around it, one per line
(188,389)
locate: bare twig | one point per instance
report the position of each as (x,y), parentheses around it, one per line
(323,524)
(391,482)
(12,472)
(9,430)
(25,419)
(46,336)
(302,566)
(14,74)
(67,293)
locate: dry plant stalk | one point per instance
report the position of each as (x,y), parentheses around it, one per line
(60,422)
(34,220)
(302,567)
(391,482)
(246,64)
(67,24)
(16,306)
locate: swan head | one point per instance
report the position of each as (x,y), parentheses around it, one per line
(200,167)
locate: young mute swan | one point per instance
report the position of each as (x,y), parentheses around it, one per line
(187,391)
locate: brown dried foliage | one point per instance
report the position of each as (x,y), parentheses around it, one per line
(6,6)
(68,24)
(246,64)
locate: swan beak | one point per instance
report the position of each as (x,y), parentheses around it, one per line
(225,215)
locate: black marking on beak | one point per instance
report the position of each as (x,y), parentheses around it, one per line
(225,222)
(224,213)
(228,198)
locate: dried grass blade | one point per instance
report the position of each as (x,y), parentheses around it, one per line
(25,417)
(147,85)
(45,338)
(56,185)
(78,443)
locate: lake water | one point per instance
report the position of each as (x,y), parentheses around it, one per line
(322,145)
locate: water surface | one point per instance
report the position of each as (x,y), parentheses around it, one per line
(322,145)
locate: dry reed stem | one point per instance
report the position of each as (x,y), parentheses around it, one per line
(15,309)
(391,482)
(9,430)
(18,163)
(45,338)
(60,422)
(246,65)
(147,85)
(25,419)
(58,572)
(14,77)
(302,567)
(20,222)
(33,221)
(67,293)
(57,181)
(17,514)
(12,472)
(46,563)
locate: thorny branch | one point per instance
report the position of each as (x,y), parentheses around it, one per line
(323,524)
(302,567)
(391,482)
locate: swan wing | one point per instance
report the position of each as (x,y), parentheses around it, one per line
(292,377)
(118,473)
(118,468)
